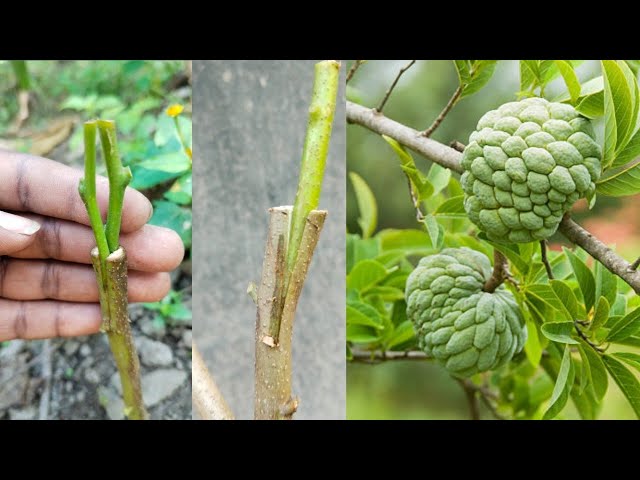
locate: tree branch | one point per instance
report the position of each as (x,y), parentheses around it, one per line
(472,399)
(209,402)
(545,260)
(499,274)
(360,356)
(354,68)
(449,158)
(636,264)
(436,123)
(393,85)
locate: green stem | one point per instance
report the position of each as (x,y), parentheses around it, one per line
(186,149)
(119,178)
(22,74)
(314,154)
(87,189)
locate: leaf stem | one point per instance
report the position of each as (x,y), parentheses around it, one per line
(186,149)
(545,260)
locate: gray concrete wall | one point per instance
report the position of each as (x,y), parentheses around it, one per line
(249,121)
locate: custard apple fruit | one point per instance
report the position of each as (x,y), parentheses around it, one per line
(525,166)
(466,329)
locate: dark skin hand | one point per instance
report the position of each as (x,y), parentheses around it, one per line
(47,284)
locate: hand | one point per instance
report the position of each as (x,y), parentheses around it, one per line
(47,284)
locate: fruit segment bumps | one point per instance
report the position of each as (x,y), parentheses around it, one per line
(525,166)
(464,328)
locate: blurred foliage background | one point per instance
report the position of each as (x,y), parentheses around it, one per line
(422,389)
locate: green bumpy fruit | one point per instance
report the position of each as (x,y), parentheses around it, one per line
(525,166)
(464,328)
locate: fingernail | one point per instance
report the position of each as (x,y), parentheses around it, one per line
(17,224)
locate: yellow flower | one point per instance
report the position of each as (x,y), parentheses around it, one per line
(175,110)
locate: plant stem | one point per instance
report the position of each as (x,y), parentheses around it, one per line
(545,260)
(472,399)
(186,149)
(209,402)
(436,123)
(87,188)
(393,85)
(354,68)
(273,399)
(499,272)
(314,153)
(119,178)
(115,322)
(635,265)
(384,356)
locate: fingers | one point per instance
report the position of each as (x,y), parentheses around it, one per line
(149,249)
(39,280)
(36,184)
(16,233)
(45,319)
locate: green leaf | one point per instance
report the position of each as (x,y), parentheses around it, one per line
(632,85)
(361,334)
(606,283)
(511,251)
(570,79)
(435,231)
(451,208)
(170,162)
(532,347)
(618,108)
(546,294)
(562,388)
(388,294)
(181,192)
(599,379)
(630,152)
(359,313)
(629,325)
(592,106)
(625,182)
(601,314)
(480,72)
(632,359)
(420,184)
(438,177)
(366,274)
(566,296)
(178,311)
(528,75)
(170,215)
(410,241)
(367,205)
(559,332)
(626,380)
(585,278)
(144,179)
(401,334)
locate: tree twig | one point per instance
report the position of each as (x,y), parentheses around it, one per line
(354,68)
(582,335)
(393,85)
(545,260)
(470,391)
(207,398)
(635,265)
(499,274)
(361,356)
(436,123)
(449,158)
(456,145)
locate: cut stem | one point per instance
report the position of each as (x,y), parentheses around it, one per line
(119,178)
(115,322)
(208,401)
(273,399)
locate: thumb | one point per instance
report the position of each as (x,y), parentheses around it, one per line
(16,233)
